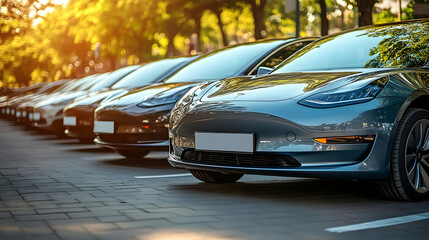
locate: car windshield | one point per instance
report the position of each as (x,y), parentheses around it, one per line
(114,77)
(150,73)
(52,87)
(73,84)
(91,82)
(227,62)
(392,46)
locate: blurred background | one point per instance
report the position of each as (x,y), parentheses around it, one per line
(47,40)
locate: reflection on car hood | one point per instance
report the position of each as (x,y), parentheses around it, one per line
(155,91)
(281,86)
(96,97)
(61,98)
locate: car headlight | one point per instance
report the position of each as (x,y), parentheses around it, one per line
(355,92)
(182,106)
(163,100)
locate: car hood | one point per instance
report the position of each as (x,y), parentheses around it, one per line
(155,91)
(275,87)
(17,100)
(96,97)
(61,99)
(29,100)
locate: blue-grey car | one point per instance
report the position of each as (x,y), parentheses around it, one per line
(353,105)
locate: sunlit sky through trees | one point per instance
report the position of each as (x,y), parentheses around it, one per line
(47,40)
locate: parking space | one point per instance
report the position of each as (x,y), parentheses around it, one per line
(54,188)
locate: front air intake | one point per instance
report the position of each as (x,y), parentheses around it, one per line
(243,160)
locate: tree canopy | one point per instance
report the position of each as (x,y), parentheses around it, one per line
(46,40)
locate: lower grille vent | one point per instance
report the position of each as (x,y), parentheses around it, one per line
(244,160)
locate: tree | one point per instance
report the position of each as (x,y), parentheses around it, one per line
(19,43)
(217,7)
(324,19)
(172,22)
(365,11)
(258,10)
(17,17)
(401,46)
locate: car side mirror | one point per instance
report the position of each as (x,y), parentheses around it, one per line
(264,71)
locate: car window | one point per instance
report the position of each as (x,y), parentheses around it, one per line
(278,57)
(114,77)
(150,73)
(91,82)
(223,63)
(72,86)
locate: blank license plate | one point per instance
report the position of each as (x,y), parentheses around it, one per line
(36,116)
(69,121)
(225,142)
(104,127)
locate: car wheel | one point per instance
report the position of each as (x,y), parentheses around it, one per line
(215,177)
(131,154)
(409,171)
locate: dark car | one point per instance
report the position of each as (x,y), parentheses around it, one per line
(8,104)
(46,113)
(79,115)
(137,122)
(21,106)
(352,106)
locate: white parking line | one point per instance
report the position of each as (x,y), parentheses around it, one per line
(380,223)
(164,176)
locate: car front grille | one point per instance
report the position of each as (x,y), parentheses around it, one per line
(243,160)
(133,138)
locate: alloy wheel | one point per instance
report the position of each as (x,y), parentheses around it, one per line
(417,156)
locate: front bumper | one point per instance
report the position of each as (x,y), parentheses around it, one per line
(84,115)
(51,117)
(143,145)
(135,127)
(272,122)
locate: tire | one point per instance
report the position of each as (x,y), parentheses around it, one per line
(132,154)
(408,178)
(216,177)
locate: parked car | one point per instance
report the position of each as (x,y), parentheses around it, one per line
(47,113)
(353,105)
(136,123)
(21,105)
(7,106)
(79,115)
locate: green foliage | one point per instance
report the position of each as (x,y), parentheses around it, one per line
(401,46)
(41,41)
(385,16)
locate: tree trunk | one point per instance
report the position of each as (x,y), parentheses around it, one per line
(258,17)
(197,20)
(324,24)
(113,62)
(220,24)
(171,49)
(365,11)
(145,50)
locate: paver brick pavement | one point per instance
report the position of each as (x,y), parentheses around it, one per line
(60,189)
